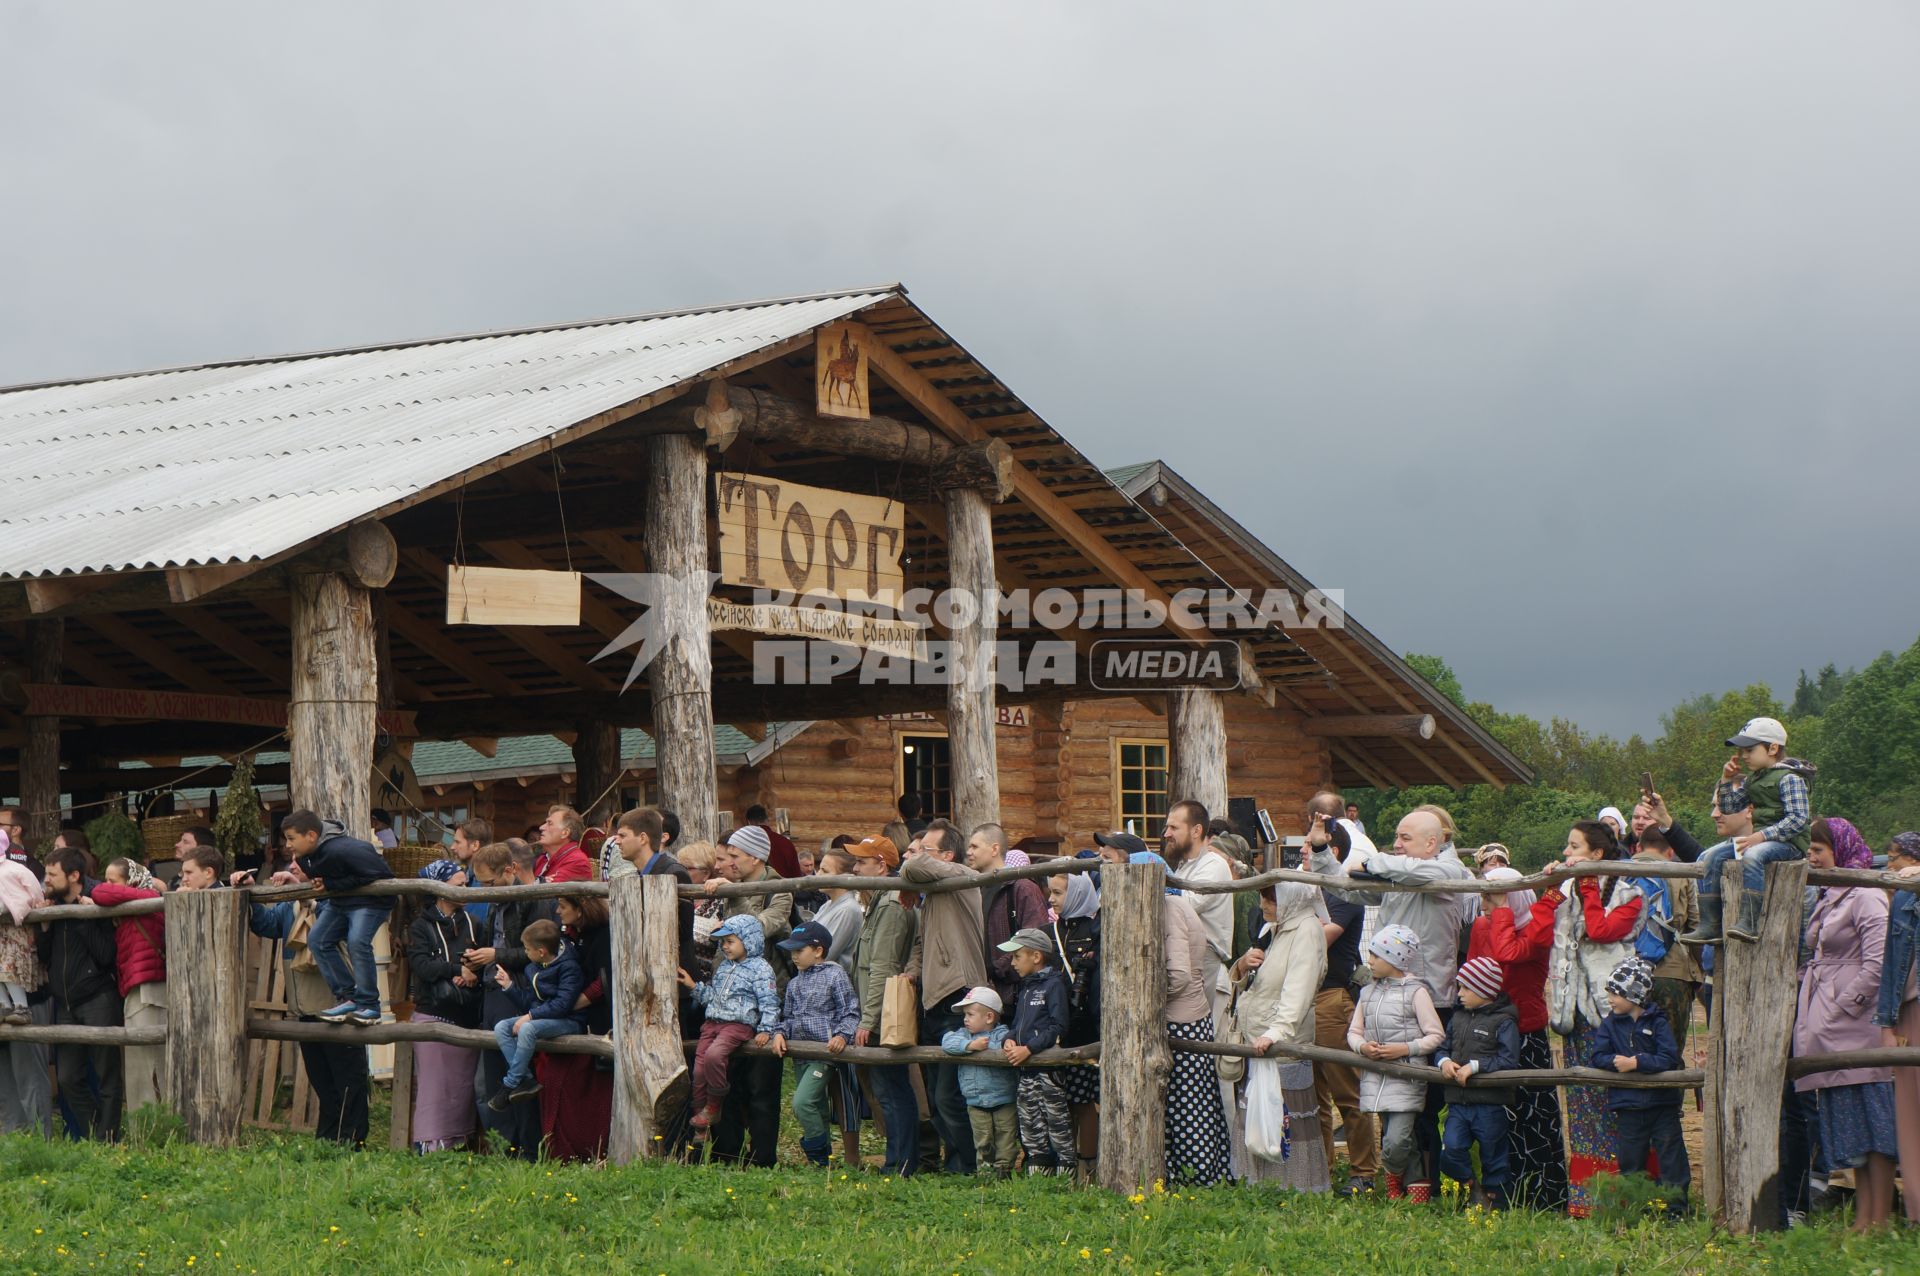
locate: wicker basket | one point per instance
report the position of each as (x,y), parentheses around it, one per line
(163,831)
(407,861)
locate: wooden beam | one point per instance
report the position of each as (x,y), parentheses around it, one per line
(49,593)
(426,635)
(364,553)
(157,655)
(230,640)
(1413,726)
(927,399)
(484,745)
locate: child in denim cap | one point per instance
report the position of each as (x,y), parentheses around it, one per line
(742,1005)
(989,1092)
(820,1006)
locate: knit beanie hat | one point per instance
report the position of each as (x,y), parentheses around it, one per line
(1395,945)
(1482,974)
(1632,979)
(751,839)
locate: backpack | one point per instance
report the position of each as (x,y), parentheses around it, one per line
(1656,933)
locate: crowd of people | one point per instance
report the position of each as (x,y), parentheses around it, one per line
(1444,989)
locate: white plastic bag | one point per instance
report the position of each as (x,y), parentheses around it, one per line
(1266,1111)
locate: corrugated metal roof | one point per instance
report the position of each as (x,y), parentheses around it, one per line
(238,461)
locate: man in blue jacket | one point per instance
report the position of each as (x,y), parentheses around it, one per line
(322,852)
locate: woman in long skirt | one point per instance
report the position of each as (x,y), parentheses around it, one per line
(1275,982)
(443,992)
(1593,933)
(1199,1148)
(576,1091)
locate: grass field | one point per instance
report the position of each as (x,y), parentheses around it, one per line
(288,1204)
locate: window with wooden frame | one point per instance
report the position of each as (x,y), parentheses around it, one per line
(1140,787)
(924,767)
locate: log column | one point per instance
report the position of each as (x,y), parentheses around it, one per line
(40,751)
(1135,1060)
(330,719)
(206,1070)
(596,761)
(650,1078)
(971,710)
(1197,749)
(681,676)
(1753,1010)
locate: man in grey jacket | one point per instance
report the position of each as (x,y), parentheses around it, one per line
(1434,917)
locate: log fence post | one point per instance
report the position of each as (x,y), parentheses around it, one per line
(650,1077)
(1754,999)
(1135,1059)
(206,1068)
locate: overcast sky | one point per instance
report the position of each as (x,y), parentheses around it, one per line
(1576,342)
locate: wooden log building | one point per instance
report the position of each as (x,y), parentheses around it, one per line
(420,547)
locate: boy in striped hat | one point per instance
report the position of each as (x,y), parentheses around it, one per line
(1483,1037)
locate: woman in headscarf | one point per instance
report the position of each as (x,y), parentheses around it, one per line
(1276,981)
(1898,1012)
(1839,986)
(1076,933)
(1516,930)
(1199,1146)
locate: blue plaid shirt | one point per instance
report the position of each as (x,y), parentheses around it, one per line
(820,1005)
(1732,796)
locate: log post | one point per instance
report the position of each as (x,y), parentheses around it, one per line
(1753,1005)
(1197,748)
(681,676)
(206,1070)
(596,760)
(650,1077)
(40,751)
(336,686)
(1135,1059)
(971,714)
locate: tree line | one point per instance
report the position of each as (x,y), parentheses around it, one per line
(1861,728)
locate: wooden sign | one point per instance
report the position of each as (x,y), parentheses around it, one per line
(512,596)
(62,701)
(869,633)
(810,540)
(840,372)
(1010,715)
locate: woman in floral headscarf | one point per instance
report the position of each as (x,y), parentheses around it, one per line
(1898,1012)
(1839,988)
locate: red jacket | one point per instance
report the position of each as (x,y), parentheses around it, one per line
(1522,955)
(568,864)
(140,943)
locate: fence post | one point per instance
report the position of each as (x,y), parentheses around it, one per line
(650,1078)
(207,1012)
(1754,998)
(1135,1060)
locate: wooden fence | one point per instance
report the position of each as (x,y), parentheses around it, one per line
(1748,1063)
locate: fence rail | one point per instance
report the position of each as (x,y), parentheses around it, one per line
(206,934)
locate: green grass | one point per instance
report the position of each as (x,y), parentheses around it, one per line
(289,1204)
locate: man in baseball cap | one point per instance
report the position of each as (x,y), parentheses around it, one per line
(876,848)
(1116,846)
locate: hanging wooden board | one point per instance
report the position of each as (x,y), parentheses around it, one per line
(512,596)
(840,372)
(811,540)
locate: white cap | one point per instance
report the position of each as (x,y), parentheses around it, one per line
(981,996)
(1759,731)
